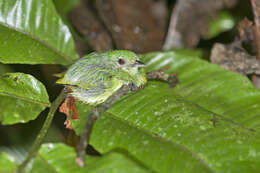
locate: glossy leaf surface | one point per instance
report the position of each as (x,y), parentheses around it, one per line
(7,163)
(22,98)
(208,123)
(64,7)
(31,32)
(59,158)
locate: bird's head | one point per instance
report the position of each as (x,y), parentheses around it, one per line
(129,62)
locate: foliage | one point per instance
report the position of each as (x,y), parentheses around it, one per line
(19,92)
(221,23)
(208,123)
(51,158)
(8,163)
(32,32)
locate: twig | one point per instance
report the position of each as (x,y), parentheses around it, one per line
(256,11)
(192,12)
(84,138)
(39,139)
(160,75)
(97,111)
(173,38)
(92,117)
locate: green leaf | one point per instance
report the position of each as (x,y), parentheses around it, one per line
(59,158)
(208,123)
(82,110)
(223,22)
(22,98)
(31,32)
(7,163)
(64,7)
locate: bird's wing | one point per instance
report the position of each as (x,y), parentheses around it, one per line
(87,76)
(96,95)
(92,86)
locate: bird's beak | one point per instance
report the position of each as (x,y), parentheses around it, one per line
(138,64)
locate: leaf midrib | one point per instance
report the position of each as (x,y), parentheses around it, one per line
(250,130)
(183,148)
(45,161)
(194,155)
(25,99)
(61,54)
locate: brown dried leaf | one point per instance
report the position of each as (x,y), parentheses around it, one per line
(189,21)
(68,107)
(89,26)
(133,24)
(245,28)
(246,35)
(234,58)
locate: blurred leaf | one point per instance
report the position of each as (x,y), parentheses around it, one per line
(59,158)
(223,22)
(16,152)
(7,163)
(208,123)
(22,98)
(31,32)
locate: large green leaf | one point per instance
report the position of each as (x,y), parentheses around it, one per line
(32,32)
(22,98)
(208,123)
(59,158)
(64,7)
(7,163)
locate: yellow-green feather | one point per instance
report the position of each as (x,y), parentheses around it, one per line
(96,76)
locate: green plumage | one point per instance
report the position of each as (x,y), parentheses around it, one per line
(95,77)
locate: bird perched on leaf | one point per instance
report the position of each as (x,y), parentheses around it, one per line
(96,76)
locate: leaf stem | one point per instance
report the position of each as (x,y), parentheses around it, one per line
(171,79)
(39,139)
(96,112)
(93,115)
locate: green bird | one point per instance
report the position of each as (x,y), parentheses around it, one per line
(95,77)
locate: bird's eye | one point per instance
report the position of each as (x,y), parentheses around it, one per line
(121,61)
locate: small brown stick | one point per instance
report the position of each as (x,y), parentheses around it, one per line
(256,11)
(160,75)
(173,37)
(92,117)
(95,113)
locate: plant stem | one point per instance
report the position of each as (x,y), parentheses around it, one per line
(84,138)
(39,139)
(94,114)
(171,79)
